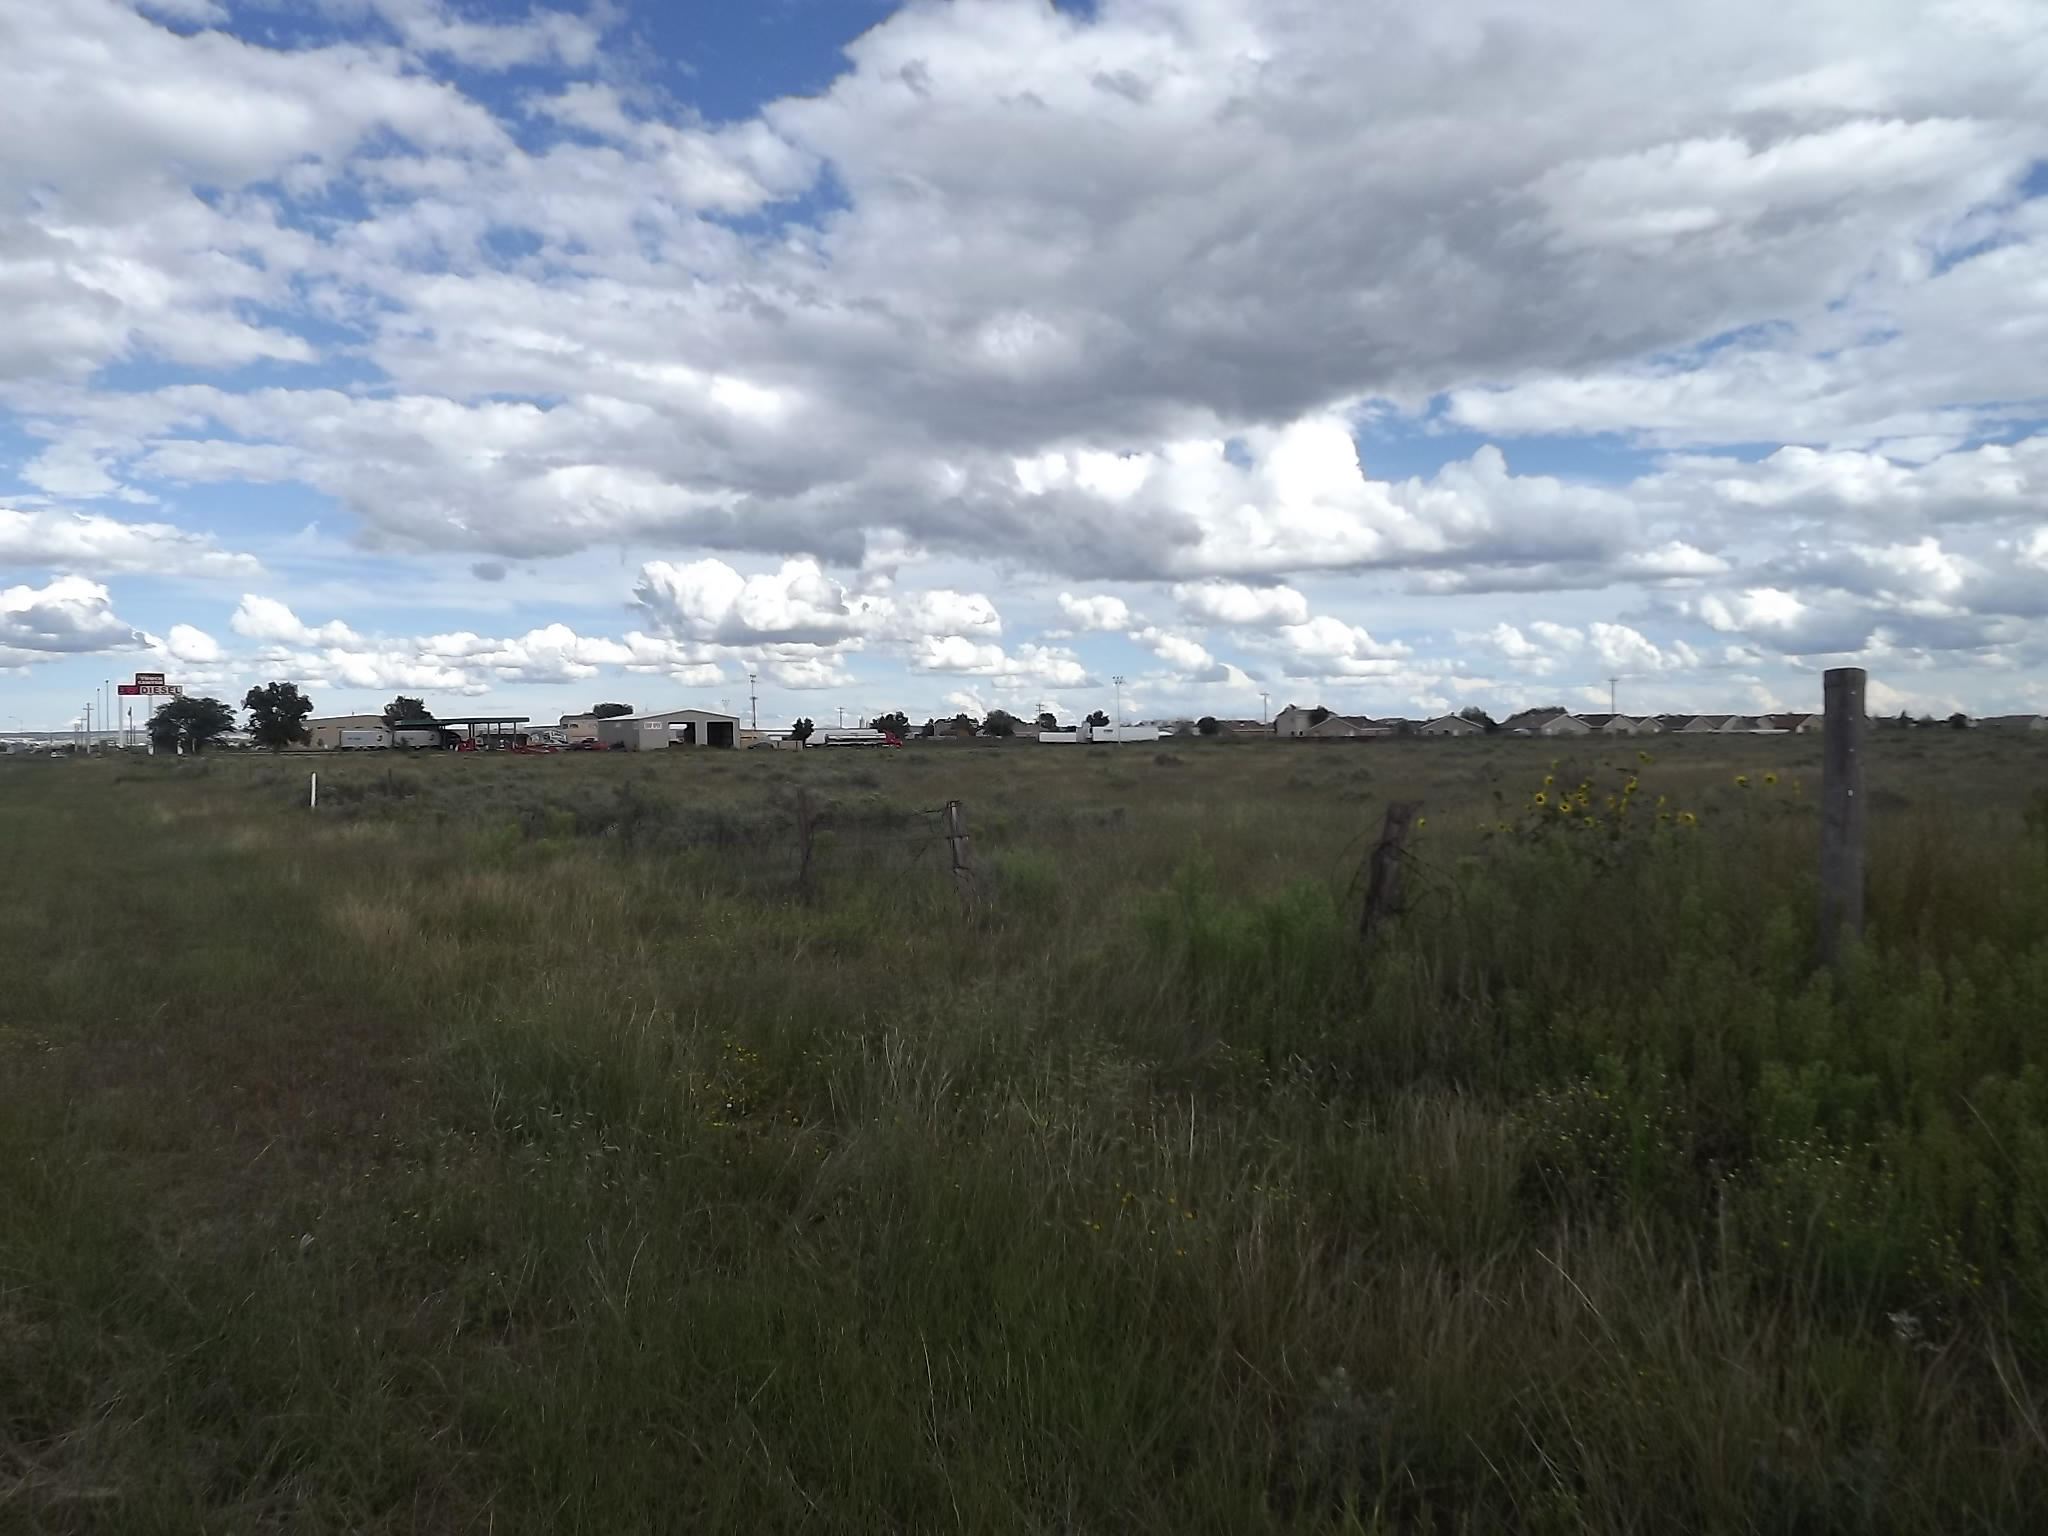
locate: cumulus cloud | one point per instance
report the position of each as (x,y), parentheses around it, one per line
(710,600)
(267,619)
(69,616)
(190,644)
(1103,611)
(1100,298)
(1029,666)
(1240,606)
(77,541)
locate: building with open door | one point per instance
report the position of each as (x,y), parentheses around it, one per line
(670,728)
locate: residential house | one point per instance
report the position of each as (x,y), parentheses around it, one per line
(1544,722)
(1450,725)
(1343,727)
(1700,723)
(1293,721)
(1795,724)
(1621,725)
(2014,722)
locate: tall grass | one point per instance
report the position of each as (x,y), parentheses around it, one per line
(514,1146)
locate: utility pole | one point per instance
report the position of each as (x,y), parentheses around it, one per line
(1118,722)
(1265,708)
(753,703)
(1610,695)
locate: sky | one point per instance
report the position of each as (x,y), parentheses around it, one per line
(963,354)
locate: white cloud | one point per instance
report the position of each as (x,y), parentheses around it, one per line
(88,542)
(1240,606)
(189,644)
(710,600)
(1100,300)
(1103,611)
(267,619)
(68,616)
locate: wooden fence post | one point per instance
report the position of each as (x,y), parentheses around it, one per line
(1843,812)
(803,843)
(1383,868)
(956,836)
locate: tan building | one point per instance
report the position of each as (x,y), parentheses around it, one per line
(670,728)
(325,734)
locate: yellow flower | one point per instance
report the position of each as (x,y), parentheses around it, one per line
(1630,787)
(1770,778)
(1549,779)
(1539,798)
(1644,755)
(1421,821)
(1742,781)
(1686,818)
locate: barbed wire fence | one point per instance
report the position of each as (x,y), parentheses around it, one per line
(882,839)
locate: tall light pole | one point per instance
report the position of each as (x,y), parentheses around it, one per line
(1265,708)
(1610,694)
(1118,722)
(753,703)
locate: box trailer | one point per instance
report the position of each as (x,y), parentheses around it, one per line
(372,738)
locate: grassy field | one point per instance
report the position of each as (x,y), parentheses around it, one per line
(512,1146)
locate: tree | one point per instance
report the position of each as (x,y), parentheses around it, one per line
(1479,717)
(404,708)
(277,715)
(1207,725)
(1097,717)
(1000,722)
(931,729)
(896,723)
(601,711)
(1048,721)
(189,723)
(800,732)
(1959,721)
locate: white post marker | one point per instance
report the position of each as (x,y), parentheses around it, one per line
(313,792)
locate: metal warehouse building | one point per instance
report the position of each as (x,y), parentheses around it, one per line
(670,728)
(326,733)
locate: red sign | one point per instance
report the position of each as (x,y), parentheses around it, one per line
(149,688)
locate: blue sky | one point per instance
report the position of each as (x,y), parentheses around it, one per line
(964,354)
